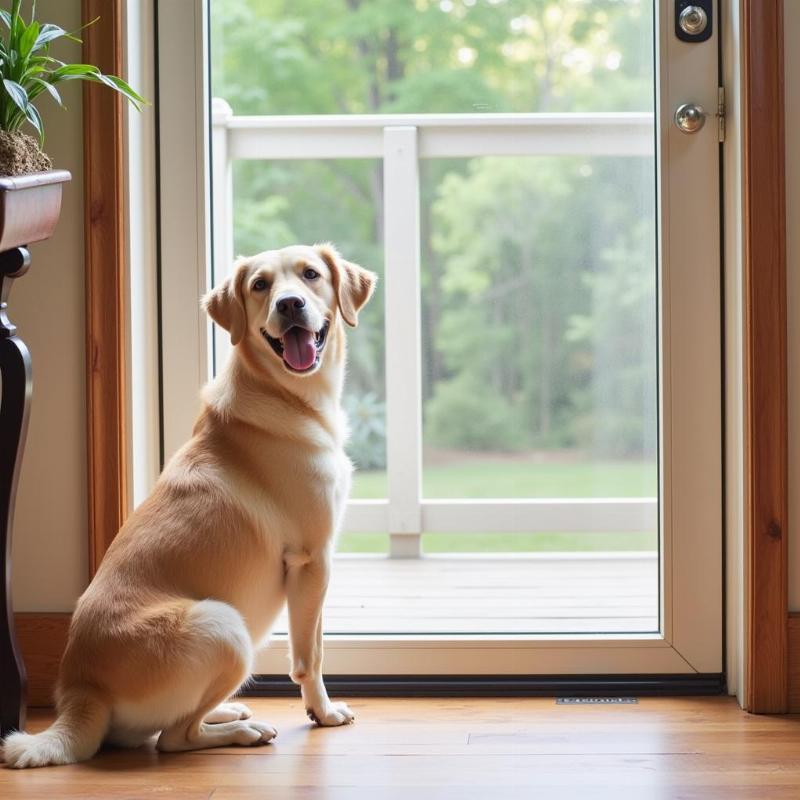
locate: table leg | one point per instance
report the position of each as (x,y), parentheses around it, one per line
(15,372)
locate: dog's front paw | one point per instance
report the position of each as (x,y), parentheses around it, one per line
(332,715)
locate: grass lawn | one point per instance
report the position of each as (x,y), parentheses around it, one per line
(497,477)
(512,478)
(505,542)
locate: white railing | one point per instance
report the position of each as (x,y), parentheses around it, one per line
(401,140)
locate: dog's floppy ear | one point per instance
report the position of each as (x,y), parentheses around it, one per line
(225,303)
(353,284)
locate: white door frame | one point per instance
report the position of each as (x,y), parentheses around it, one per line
(185,203)
(691,510)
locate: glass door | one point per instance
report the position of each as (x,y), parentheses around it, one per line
(534,392)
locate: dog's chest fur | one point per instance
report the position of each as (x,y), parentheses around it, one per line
(295,493)
(325,485)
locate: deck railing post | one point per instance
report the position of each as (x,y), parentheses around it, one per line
(403,373)
(221,211)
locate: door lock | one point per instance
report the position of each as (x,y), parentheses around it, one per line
(693,20)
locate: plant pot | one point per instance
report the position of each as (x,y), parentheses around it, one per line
(29,207)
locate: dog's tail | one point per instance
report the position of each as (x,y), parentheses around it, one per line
(75,735)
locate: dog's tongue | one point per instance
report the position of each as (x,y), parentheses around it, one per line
(299,350)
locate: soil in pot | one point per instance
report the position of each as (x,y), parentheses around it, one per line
(20,154)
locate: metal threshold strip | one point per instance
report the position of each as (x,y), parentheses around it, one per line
(562,686)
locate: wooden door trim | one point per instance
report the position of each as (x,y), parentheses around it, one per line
(104,219)
(765,361)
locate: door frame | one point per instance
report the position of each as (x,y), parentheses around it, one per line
(106,280)
(764,348)
(766,430)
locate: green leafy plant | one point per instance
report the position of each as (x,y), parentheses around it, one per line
(367,416)
(27,70)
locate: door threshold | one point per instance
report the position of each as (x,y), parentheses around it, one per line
(499,685)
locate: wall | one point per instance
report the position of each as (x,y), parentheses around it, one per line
(47,304)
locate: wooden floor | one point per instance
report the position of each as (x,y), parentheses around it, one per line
(510,593)
(703,748)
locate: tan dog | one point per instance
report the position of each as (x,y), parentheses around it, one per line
(242,519)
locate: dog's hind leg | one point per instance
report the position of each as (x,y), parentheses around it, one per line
(217,641)
(228,712)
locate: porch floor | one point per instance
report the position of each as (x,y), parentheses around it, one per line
(508,593)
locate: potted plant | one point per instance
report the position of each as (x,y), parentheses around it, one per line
(30,191)
(30,202)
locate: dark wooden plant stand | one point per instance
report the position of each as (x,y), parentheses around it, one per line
(29,209)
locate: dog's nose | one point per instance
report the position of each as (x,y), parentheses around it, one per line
(288,304)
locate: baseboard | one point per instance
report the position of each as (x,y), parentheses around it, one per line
(42,638)
(794,661)
(498,685)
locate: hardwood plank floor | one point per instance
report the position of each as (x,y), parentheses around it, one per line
(687,748)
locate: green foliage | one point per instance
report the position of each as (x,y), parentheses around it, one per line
(432,56)
(615,411)
(27,70)
(367,418)
(546,305)
(466,414)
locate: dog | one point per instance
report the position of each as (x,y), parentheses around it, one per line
(242,520)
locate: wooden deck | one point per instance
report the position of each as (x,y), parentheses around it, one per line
(510,593)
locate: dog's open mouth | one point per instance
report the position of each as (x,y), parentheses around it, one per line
(299,347)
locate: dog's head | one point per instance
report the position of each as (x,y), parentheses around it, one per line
(289,301)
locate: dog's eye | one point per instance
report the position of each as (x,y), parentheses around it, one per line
(310,274)
(260,285)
